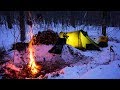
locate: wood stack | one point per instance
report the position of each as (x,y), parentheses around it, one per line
(46,37)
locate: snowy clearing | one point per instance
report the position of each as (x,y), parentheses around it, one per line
(92,65)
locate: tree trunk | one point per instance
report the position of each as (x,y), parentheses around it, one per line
(72,20)
(9,21)
(104,23)
(22,26)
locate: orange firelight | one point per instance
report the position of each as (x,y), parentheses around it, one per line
(32,65)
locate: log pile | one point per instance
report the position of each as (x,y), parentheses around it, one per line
(46,37)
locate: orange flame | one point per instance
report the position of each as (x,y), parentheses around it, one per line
(32,65)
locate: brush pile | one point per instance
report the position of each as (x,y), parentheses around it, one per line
(46,37)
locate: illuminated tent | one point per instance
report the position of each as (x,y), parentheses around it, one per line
(79,39)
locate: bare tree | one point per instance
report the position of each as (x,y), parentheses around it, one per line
(104,23)
(9,20)
(22,26)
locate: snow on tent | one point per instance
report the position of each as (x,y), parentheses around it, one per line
(79,39)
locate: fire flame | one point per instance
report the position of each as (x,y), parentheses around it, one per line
(32,65)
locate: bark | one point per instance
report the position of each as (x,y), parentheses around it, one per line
(9,21)
(104,23)
(22,26)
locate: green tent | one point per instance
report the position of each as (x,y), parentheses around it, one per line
(79,39)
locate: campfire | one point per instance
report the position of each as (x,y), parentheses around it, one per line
(32,64)
(25,64)
(29,70)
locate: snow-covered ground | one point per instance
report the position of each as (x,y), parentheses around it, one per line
(95,64)
(110,71)
(105,65)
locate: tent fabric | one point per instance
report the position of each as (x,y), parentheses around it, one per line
(79,39)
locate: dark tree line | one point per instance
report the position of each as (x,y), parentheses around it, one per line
(73,18)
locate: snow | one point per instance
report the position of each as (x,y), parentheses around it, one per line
(105,64)
(41,53)
(86,65)
(113,33)
(111,71)
(70,73)
(7,36)
(70,57)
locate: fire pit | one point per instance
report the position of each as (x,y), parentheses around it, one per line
(35,61)
(11,71)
